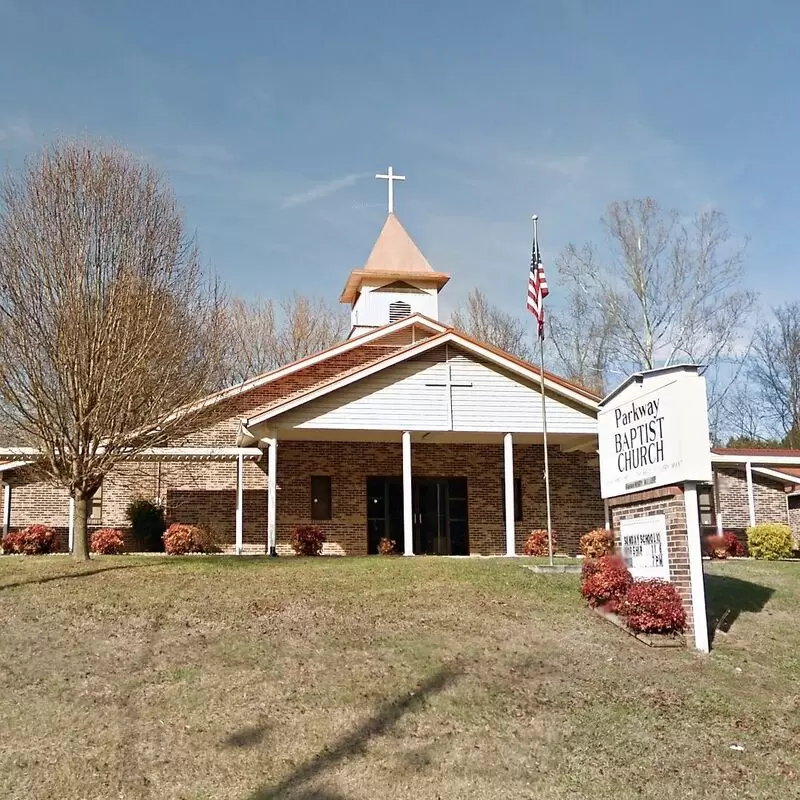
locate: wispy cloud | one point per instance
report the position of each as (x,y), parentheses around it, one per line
(17,133)
(320,190)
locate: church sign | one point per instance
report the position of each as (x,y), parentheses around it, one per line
(643,545)
(653,431)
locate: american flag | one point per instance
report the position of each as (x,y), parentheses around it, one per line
(537,287)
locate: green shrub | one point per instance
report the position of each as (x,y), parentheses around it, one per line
(147,523)
(770,541)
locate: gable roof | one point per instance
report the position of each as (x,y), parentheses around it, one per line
(394,256)
(304,363)
(756,452)
(787,476)
(552,383)
(775,456)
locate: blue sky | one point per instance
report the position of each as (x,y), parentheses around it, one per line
(271,119)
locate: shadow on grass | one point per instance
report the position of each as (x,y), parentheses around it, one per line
(727,597)
(62,576)
(355,742)
(249,736)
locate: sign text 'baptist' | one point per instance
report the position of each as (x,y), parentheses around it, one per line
(639,440)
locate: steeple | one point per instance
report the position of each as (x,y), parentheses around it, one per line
(396,279)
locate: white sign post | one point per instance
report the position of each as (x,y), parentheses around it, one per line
(653,432)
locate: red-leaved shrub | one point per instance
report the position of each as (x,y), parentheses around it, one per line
(107,542)
(387,546)
(653,607)
(724,546)
(596,543)
(605,581)
(307,540)
(181,539)
(715,547)
(536,544)
(12,543)
(35,540)
(734,545)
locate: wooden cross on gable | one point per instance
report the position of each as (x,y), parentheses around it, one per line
(448,384)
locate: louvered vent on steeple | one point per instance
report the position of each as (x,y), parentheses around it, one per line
(398,310)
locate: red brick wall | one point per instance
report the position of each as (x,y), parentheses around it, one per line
(205,493)
(669,502)
(200,493)
(769,496)
(575,489)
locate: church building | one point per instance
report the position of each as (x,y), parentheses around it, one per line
(408,430)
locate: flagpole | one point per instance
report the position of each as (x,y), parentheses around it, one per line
(535,219)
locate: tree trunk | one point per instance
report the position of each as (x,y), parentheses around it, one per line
(80,530)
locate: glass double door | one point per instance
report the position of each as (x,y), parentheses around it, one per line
(439,514)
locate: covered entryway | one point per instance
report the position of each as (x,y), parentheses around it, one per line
(439,513)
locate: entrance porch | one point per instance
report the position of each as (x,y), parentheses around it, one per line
(431,493)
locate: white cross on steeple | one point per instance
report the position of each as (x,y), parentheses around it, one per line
(390,178)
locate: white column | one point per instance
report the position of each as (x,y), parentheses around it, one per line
(71,534)
(508,461)
(272,497)
(6,507)
(239,504)
(696,567)
(717,511)
(608,515)
(408,522)
(751,501)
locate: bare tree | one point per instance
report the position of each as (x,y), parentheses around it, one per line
(262,338)
(479,318)
(741,419)
(669,288)
(581,334)
(775,371)
(107,324)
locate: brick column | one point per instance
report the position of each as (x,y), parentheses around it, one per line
(669,501)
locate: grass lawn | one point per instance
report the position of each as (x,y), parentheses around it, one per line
(382,678)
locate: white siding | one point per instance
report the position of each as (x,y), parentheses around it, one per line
(399,398)
(372,306)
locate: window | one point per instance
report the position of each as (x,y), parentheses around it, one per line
(398,310)
(794,502)
(96,506)
(705,506)
(320,497)
(517,497)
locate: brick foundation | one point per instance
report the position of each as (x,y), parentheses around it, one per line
(668,501)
